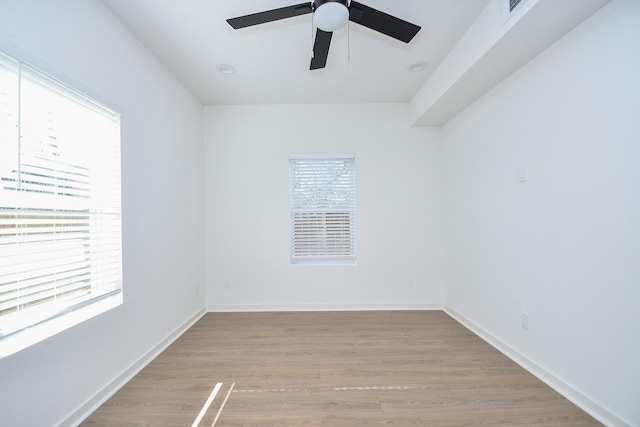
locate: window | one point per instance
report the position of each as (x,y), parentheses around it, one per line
(60,227)
(323,211)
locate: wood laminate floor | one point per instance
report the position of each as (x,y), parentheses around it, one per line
(399,368)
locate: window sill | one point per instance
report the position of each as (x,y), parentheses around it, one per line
(34,334)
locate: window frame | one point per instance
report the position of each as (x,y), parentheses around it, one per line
(19,330)
(333,244)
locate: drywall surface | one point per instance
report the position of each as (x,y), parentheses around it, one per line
(560,241)
(398,184)
(162,213)
(495,46)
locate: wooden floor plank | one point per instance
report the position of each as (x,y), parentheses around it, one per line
(404,368)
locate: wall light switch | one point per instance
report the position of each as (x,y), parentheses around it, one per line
(524,321)
(523,173)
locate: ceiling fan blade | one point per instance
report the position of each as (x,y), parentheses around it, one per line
(382,22)
(320,49)
(270,15)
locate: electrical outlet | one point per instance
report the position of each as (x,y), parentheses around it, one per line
(197,288)
(524,320)
(227,283)
(410,281)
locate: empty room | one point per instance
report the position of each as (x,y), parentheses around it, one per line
(338,213)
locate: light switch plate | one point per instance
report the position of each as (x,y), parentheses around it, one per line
(523,173)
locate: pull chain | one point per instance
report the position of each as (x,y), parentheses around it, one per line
(349,34)
(349,42)
(313,23)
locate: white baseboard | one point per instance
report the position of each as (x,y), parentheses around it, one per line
(572,394)
(103,395)
(229,308)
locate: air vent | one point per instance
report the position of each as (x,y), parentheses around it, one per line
(513,4)
(510,7)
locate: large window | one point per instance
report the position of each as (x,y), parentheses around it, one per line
(60,227)
(323,209)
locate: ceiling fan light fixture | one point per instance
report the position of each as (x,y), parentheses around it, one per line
(331,15)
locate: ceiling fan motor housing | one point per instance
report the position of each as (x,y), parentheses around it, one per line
(330,15)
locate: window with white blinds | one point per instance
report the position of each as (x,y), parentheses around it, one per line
(60,226)
(323,209)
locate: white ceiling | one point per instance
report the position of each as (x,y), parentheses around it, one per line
(192,39)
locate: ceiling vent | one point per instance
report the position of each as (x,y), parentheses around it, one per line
(509,7)
(513,4)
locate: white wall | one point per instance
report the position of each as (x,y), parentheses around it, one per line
(563,247)
(163,210)
(398,183)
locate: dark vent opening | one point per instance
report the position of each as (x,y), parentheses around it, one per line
(513,4)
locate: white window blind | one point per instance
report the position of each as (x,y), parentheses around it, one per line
(323,209)
(60,226)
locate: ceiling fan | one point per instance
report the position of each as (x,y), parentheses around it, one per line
(330,15)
